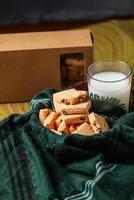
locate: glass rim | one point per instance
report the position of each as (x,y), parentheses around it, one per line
(101,61)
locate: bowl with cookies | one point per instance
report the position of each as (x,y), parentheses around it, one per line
(74,112)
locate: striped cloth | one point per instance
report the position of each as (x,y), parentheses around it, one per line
(36,164)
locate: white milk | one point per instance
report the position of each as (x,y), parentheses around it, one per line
(117,88)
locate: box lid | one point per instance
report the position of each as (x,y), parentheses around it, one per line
(47,40)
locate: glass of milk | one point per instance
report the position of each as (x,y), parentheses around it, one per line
(109,78)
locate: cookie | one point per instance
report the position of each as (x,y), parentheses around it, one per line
(80,108)
(70,97)
(50,120)
(74,119)
(63,128)
(98,123)
(58,121)
(58,133)
(75,73)
(84,129)
(73,127)
(43,113)
(74,61)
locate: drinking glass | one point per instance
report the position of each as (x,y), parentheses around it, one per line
(108,78)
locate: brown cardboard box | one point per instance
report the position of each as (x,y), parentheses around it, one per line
(30,62)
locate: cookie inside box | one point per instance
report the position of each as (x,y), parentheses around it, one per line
(72,69)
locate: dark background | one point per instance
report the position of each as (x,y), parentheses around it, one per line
(14,12)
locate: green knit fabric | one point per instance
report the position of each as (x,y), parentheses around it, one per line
(37,164)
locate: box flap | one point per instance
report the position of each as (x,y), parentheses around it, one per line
(47,40)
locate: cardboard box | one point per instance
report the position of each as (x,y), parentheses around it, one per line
(30,62)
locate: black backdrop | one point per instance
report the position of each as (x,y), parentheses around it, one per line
(13,12)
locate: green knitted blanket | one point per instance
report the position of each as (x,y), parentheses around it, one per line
(36,164)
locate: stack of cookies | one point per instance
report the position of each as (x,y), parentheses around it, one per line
(72,69)
(72,115)
(75,70)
